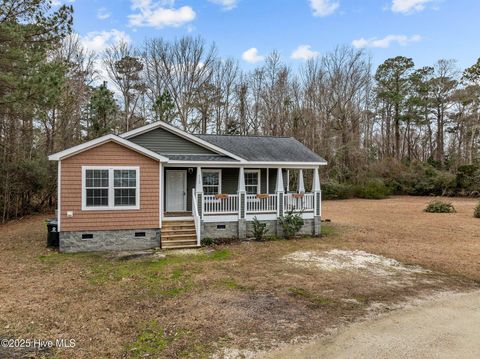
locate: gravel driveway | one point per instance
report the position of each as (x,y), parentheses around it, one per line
(442,328)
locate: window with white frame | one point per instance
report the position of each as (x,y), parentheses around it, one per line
(252,181)
(212,182)
(110,188)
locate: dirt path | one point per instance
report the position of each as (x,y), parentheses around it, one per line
(443,328)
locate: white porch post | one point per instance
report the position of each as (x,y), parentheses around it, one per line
(242,205)
(280,190)
(317,192)
(301,183)
(199,191)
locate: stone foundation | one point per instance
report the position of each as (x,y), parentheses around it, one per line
(210,230)
(102,241)
(311,227)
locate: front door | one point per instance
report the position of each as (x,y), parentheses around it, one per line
(176,191)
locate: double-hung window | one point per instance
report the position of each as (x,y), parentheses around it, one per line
(110,188)
(212,182)
(252,181)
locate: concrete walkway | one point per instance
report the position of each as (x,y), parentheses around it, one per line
(442,329)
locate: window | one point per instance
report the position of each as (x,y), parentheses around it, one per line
(125,186)
(96,185)
(212,182)
(113,188)
(252,181)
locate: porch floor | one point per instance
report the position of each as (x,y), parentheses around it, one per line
(178,214)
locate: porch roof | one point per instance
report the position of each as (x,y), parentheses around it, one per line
(196,158)
(264,148)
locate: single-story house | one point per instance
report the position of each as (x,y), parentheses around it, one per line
(158,186)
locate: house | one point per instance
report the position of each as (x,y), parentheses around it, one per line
(158,186)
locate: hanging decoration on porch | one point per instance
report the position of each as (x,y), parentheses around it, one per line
(263,196)
(221,196)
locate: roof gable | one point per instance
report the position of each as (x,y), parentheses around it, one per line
(165,142)
(102,140)
(183,134)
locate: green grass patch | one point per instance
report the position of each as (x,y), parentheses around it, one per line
(231,284)
(153,340)
(56,258)
(328,230)
(313,298)
(152,271)
(221,254)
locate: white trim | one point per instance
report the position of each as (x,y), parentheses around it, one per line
(213,164)
(160,194)
(268,181)
(216,170)
(173,219)
(259,178)
(262,216)
(185,192)
(181,133)
(102,140)
(222,218)
(288,180)
(59,194)
(111,189)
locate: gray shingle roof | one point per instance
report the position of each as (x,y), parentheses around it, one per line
(213,158)
(264,149)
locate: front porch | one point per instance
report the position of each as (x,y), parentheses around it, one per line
(228,198)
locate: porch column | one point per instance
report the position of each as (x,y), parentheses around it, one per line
(199,191)
(301,183)
(317,208)
(242,205)
(280,190)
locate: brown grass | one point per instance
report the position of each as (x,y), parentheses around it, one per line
(242,295)
(399,228)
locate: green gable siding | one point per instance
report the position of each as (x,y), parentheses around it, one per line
(165,142)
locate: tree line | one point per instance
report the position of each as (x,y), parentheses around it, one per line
(399,123)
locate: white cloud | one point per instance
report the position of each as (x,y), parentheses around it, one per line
(103,13)
(252,56)
(324,7)
(99,41)
(160,14)
(409,6)
(385,42)
(226,4)
(304,52)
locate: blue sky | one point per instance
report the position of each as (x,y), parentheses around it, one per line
(247,30)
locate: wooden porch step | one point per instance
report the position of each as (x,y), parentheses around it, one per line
(174,237)
(179,225)
(183,246)
(179,234)
(168,231)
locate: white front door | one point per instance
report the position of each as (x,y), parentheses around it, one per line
(176,191)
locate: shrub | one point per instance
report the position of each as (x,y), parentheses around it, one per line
(476,212)
(438,206)
(373,189)
(291,224)
(259,229)
(207,241)
(335,190)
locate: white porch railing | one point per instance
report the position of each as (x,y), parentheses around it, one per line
(196,217)
(262,203)
(228,203)
(213,204)
(298,203)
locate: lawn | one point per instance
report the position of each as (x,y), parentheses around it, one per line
(235,298)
